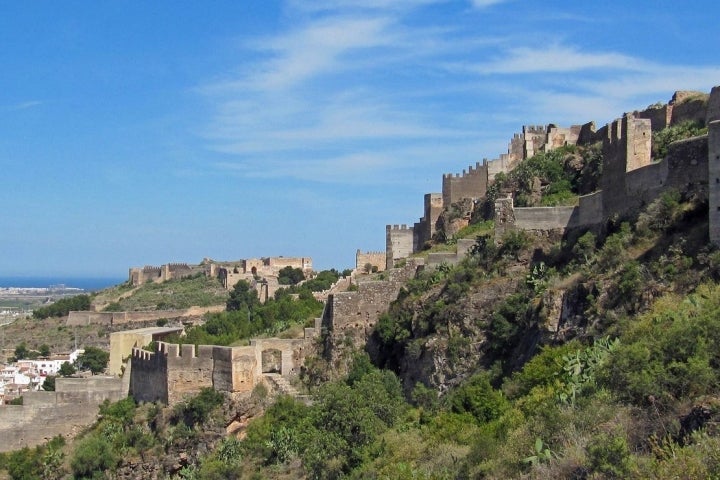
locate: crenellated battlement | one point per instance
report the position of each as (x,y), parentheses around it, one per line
(534,130)
(173,372)
(401,227)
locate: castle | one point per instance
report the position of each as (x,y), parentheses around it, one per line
(631,178)
(173,372)
(262,273)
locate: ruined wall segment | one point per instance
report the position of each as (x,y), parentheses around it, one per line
(472,183)
(713,106)
(353,315)
(688,106)
(714,180)
(377,260)
(68,410)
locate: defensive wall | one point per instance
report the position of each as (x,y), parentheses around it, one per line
(425,228)
(174,372)
(631,177)
(170,271)
(714,179)
(267,266)
(354,314)
(435,259)
(377,260)
(122,318)
(122,343)
(66,411)
(473,183)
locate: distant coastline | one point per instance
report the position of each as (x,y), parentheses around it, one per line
(85,283)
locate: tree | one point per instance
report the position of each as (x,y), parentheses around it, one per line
(67,369)
(242,297)
(93,359)
(44,350)
(290,276)
(49,383)
(21,351)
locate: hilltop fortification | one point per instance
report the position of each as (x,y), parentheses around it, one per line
(631,177)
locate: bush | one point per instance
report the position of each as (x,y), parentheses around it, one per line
(477,397)
(93,456)
(609,454)
(197,410)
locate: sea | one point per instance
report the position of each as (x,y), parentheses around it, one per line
(90,284)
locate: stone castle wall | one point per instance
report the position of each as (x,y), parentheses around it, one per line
(175,372)
(66,411)
(472,183)
(267,266)
(122,318)
(714,178)
(354,314)
(378,260)
(631,179)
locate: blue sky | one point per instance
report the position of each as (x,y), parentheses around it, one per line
(135,133)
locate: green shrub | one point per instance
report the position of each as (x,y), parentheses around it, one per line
(477,397)
(609,454)
(197,409)
(93,456)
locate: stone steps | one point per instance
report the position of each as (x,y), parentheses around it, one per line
(282,385)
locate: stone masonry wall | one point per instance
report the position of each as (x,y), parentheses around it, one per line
(120,318)
(399,242)
(714,179)
(471,184)
(375,259)
(354,314)
(175,372)
(67,411)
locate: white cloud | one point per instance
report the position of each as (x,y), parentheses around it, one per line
(555,58)
(315,49)
(22,105)
(486,3)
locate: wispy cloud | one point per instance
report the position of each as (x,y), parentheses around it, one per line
(23,105)
(486,3)
(355,85)
(555,58)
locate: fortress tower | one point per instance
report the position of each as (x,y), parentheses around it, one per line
(399,241)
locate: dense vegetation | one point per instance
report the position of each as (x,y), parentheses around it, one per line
(549,178)
(246,317)
(63,306)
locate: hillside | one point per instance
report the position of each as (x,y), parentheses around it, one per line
(591,352)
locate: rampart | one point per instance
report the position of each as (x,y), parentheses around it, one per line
(714,177)
(354,314)
(266,266)
(425,228)
(436,259)
(376,260)
(66,411)
(170,271)
(122,318)
(122,343)
(174,372)
(472,183)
